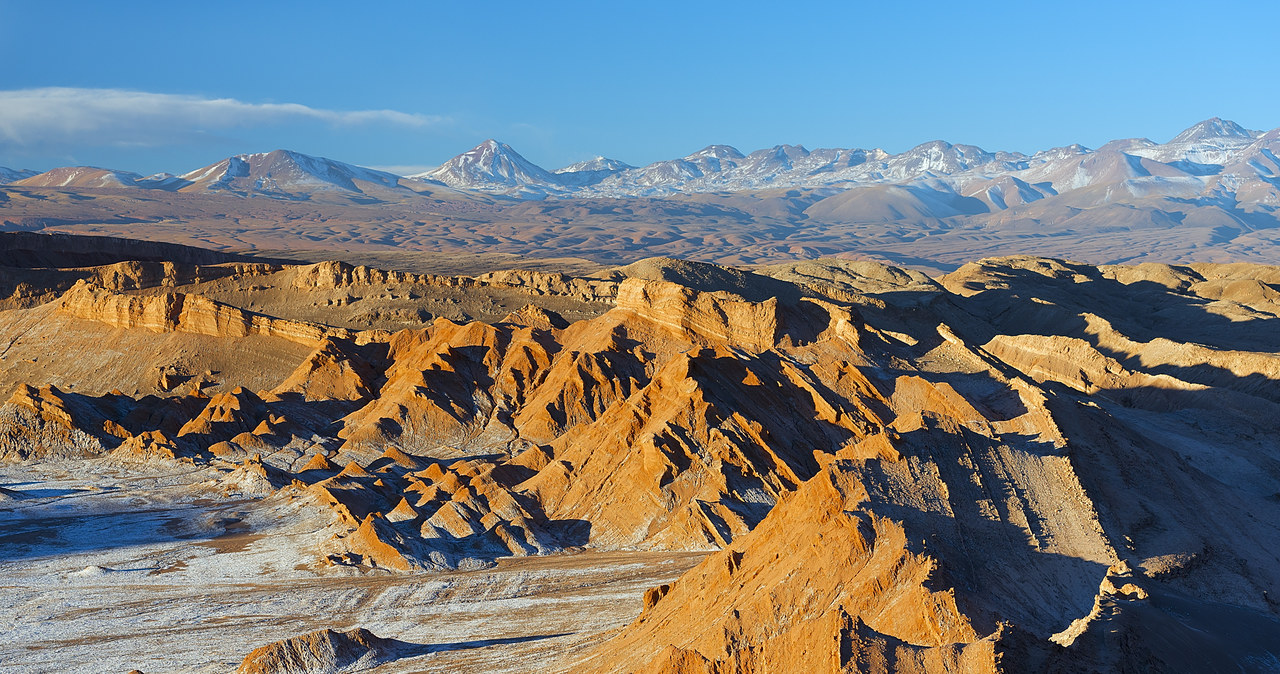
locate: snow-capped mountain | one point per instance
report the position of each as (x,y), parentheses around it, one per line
(283,172)
(8,175)
(667,175)
(161,181)
(1214,128)
(494,167)
(594,165)
(1200,151)
(1211,142)
(1253,174)
(1215,161)
(279,174)
(82,176)
(590,172)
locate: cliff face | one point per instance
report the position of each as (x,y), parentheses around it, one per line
(702,316)
(39,423)
(1050,480)
(819,585)
(998,471)
(177,312)
(340,275)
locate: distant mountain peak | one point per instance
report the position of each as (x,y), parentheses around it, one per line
(81,176)
(492,166)
(1200,152)
(8,175)
(1213,128)
(284,171)
(491,145)
(597,163)
(782,152)
(931,145)
(718,152)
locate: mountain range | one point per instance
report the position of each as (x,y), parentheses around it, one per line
(1215,159)
(1212,193)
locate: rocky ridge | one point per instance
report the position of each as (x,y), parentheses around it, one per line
(998,470)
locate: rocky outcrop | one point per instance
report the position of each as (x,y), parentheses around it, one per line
(332,275)
(255,478)
(377,545)
(1030,465)
(147,447)
(860,603)
(227,414)
(443,385)
(1082,367)
(467,508)
(400,516)
(702,316)
(337,370)
(690,459)
(178,312)
(538,283)
(47,423)
(321,652)
(135,275)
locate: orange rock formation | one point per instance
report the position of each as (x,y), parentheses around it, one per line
(997,471)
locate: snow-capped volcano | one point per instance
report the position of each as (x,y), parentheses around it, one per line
(494,167)
(1212,129)
(284,172)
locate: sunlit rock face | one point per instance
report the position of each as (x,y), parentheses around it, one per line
(1026,464)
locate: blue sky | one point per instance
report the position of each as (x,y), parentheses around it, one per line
(150,86)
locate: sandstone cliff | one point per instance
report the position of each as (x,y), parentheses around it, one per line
(178,312)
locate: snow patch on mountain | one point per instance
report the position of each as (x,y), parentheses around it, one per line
(8,175)
(494,167)
(590,172)
(286,172)
(91,177)
(1215,161)
(1214,128)
(596,164)
(999,180)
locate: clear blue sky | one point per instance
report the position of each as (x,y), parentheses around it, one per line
(564,81)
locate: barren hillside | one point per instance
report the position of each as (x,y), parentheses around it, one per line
(1026,464)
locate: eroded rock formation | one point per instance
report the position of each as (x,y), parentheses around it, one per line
(320,652)
(1026,464)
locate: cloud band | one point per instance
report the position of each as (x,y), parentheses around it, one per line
(31,117)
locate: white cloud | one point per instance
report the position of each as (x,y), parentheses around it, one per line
(57,115)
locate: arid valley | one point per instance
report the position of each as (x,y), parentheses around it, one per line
(639,338)
(668,466)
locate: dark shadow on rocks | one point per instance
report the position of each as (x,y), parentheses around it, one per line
(409,650)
